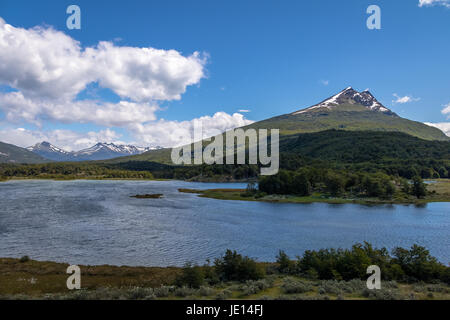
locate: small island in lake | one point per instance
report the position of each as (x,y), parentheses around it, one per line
(148,196)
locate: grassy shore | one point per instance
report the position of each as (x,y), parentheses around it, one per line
(439,191)
(30,279)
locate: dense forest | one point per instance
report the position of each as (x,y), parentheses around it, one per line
(363,161)
(307,180)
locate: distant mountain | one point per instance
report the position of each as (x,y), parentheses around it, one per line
(103,151)
(48,151)
(349,110)
(12,154)
(100,151)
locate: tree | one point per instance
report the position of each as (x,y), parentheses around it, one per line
(301,185)
(335,184)
(234,267)
(285,265)
(192,276)
(443,173)
(419,188)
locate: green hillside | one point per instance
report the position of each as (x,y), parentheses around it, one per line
(12,154)
(348,117)
(380,129)
(349,110)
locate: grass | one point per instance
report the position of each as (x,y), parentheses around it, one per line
(36,278)
(438,192)
(31,279)
(441,187)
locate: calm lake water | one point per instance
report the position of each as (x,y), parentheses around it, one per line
(96,222)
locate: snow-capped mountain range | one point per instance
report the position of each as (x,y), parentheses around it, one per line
(349,96)
(100,151)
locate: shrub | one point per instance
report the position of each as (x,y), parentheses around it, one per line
(418,264)
(163,291)
(192,276)
(183,292)
(383,294)
(225,294)
(291,286)
(234,267)
(138,293)
(24,259)
(206,291)
(254,287)
(413,265)
(339,287)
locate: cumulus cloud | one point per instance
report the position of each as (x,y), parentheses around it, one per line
(176,133)
(49,69)
(17,107)
(443,126)
(427,3)
(157,133)
(404,99)
(145,73)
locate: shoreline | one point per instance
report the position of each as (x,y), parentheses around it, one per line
(236,195)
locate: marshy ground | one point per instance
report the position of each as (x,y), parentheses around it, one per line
(28,279)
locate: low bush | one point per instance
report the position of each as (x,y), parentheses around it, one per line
(206,291)
(224,294)
(254,287)
(163,291)
(24,259)
(291,286)
(184,292)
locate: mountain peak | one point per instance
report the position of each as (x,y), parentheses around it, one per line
(99,151)
(349,96)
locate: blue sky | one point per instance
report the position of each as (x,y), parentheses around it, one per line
(269,57)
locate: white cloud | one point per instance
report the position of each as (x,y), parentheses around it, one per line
(17,107)
(446,109)
(157,133)
(176,133)
(404,99)
(48,69)
(325,82)
(244,110)
(427,3)
(443,126)
(144,74)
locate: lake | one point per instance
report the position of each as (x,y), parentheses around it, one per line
(96,222)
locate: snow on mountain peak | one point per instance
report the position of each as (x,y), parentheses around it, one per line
(349,96)
(46,147)
(99,151)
